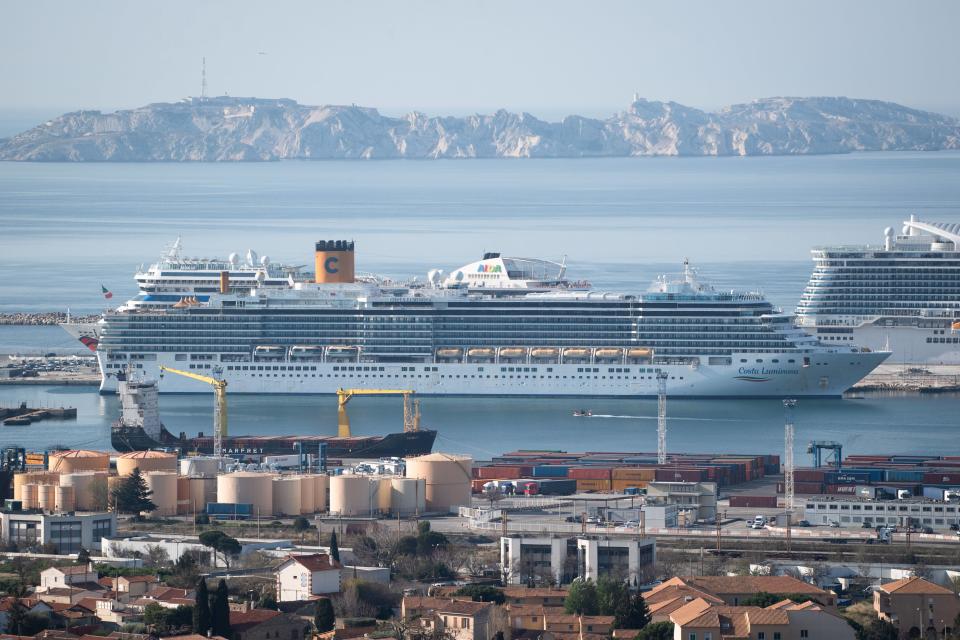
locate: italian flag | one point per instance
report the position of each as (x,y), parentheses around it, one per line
(106,293)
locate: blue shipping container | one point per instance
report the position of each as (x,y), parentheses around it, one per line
(550,471)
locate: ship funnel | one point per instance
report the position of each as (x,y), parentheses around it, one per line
(224,282)
(334,261)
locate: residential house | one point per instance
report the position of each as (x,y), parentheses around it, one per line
(702,620)
(58,577)
(534,596)
(302,577)
(461,619)
(914,605)
(134,586)
(733,590)
(671,595)
(266,624)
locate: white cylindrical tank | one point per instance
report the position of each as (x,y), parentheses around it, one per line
(200,466)
(384,491)
(33,477)
(202,491)
(286,495)
(408,496)
(46,497)
(146,461)
(29,493)
(89,488)
(322,489)
(308,494)
(78,460)
(163,484)
(247,487)
(447,477)
(64,499)
(352,495)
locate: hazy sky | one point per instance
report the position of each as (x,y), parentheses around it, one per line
(547,57)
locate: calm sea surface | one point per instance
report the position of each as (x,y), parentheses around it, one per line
(747,223)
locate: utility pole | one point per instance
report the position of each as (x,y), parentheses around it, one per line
(719,520)
(662,417)
(788,467)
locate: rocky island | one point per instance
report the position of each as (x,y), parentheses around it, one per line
(254,129)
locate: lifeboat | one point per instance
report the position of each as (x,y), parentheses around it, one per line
(449,352)
(267,350)
(640,353)
(545,353)
(512,352)
(342,351)
(576,352)
(609,353)
(306,351)
(481,352)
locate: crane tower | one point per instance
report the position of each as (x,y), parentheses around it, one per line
(662,418)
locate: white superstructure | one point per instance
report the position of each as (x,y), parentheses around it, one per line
(528,331)
(903,295)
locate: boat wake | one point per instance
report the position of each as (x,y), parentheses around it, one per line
(671,418)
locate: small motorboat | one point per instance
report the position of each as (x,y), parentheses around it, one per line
(582,413)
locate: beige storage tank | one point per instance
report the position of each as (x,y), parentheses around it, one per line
(146,461)
(30,494)
(33,477)
(86,488)
(46,497)
(200,467)
(308,494)
(78,460)
(64,500)
(322,488)
(384,494)
(202,491)
(163,484)
(286,495)
(448,479)
(247,487)
(352,495)
(408,496)
(184,506)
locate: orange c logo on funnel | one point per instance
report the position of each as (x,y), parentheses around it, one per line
(329,265)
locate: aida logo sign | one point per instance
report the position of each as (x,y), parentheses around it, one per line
(488,268)
(330,264)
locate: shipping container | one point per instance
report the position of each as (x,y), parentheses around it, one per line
(634,473)
(589,473)
(620,486)
(590,484)
(564,487)
(941,477)
(551,471)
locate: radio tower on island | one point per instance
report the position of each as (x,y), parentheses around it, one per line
(203,79)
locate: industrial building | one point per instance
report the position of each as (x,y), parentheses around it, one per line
(697,501)
(561,559)
(851,511)
(67,532)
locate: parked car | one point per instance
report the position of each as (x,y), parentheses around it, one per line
(928,529)
(803,523)
(834,525)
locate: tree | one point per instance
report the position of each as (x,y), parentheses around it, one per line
(99,494)
(612,596)
(16,618)
(185,571)
(301,525)
(220,611)
(878,630)
(155,615)
(201,610)
(334,549)
(131,495)
(581,598)
(482,593)
(656,631)
(636,615)
(156,556)
(324,619)
(83,556)
(222,543)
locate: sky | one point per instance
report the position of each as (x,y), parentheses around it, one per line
(452,56)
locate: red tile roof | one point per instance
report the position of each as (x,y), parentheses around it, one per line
(316,561)
(915,586)
(243,620)
(73,569)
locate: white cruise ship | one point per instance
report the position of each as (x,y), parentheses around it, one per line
(498,326)
(902,296)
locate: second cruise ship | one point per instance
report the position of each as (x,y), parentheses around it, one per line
(497,326)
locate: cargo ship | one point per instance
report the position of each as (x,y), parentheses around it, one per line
(139,428)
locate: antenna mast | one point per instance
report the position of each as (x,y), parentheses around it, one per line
(662,417)
(203,79)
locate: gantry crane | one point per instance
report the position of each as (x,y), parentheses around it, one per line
(411,409)
(219,403)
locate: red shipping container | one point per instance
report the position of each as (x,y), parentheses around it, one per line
(941,477)
(813,488)
(754,502)
(841,488)
(808,475)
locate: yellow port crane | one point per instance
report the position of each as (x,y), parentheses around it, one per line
(219,403)
(411,408)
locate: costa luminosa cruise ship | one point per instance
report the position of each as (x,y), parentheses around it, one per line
(903,295)
(498,326)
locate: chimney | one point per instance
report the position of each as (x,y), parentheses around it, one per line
(333,262)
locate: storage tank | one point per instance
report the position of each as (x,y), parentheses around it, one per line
(384,491)
(89,489)
(447,479)
(78,460)
(308,494)
(352,495)
(200,466)
(146,461)
(163,484)
(64,500)
(184,506)
(322,490)
(202,491)
(408,496)
(247,487)
(30,495)
(286,495)
(33,477)
(46,497)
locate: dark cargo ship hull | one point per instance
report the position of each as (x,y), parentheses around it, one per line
(398,445)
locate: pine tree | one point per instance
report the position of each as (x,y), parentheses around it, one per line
(581,598)
(132,495)
(201,610)
(634,616)
(16,616)
(220,611)
(324,619)
(334,549)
